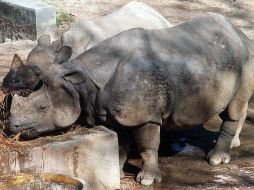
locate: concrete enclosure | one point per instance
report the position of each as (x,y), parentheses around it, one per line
(91,156)
(26,19)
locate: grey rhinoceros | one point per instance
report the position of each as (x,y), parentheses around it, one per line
(80,37)
(147,79)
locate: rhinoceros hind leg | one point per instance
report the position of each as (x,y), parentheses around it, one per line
(147,138)
(229,132)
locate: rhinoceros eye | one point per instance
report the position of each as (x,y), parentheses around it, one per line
(42,107)
(15,80)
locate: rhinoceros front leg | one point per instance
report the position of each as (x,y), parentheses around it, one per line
(122,159)
(124,141)
(147,138)
(229,133)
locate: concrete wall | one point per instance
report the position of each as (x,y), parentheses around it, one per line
(90,156)
(26,19)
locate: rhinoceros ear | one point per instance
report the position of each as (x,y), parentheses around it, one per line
(76,77)
(64,55)
(67,108)
(16,62)
(57,44)
(44,40)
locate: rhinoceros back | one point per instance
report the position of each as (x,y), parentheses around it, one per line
(206,59)
(85,35)
(101,60)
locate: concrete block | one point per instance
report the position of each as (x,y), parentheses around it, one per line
(26,19)
(91,156)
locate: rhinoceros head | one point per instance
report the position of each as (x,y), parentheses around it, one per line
(54,106)
(21,76)
(29,76)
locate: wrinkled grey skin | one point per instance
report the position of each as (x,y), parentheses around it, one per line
(148,79)
(80,37)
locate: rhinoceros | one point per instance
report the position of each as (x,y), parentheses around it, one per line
(80,37)
(147,79)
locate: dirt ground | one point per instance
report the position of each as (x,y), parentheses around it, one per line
(183,165)
(182,154)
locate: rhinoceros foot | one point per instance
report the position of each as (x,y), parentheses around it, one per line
(147,177)
(216,158)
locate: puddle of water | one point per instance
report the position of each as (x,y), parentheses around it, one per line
(189,176)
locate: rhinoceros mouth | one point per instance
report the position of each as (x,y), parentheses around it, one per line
(21,129)
(25,133)
(16,127)
(30,133)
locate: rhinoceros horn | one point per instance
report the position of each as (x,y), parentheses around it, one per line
(16,62)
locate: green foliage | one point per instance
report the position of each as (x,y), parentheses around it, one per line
(63,17)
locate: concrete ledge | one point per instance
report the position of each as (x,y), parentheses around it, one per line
(90,156)
(26,19)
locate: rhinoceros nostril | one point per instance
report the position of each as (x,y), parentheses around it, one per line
(12,124)
(4,89)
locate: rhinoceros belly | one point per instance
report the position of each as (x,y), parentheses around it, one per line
(200,100)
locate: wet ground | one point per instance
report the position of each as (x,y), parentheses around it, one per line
(183,165)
